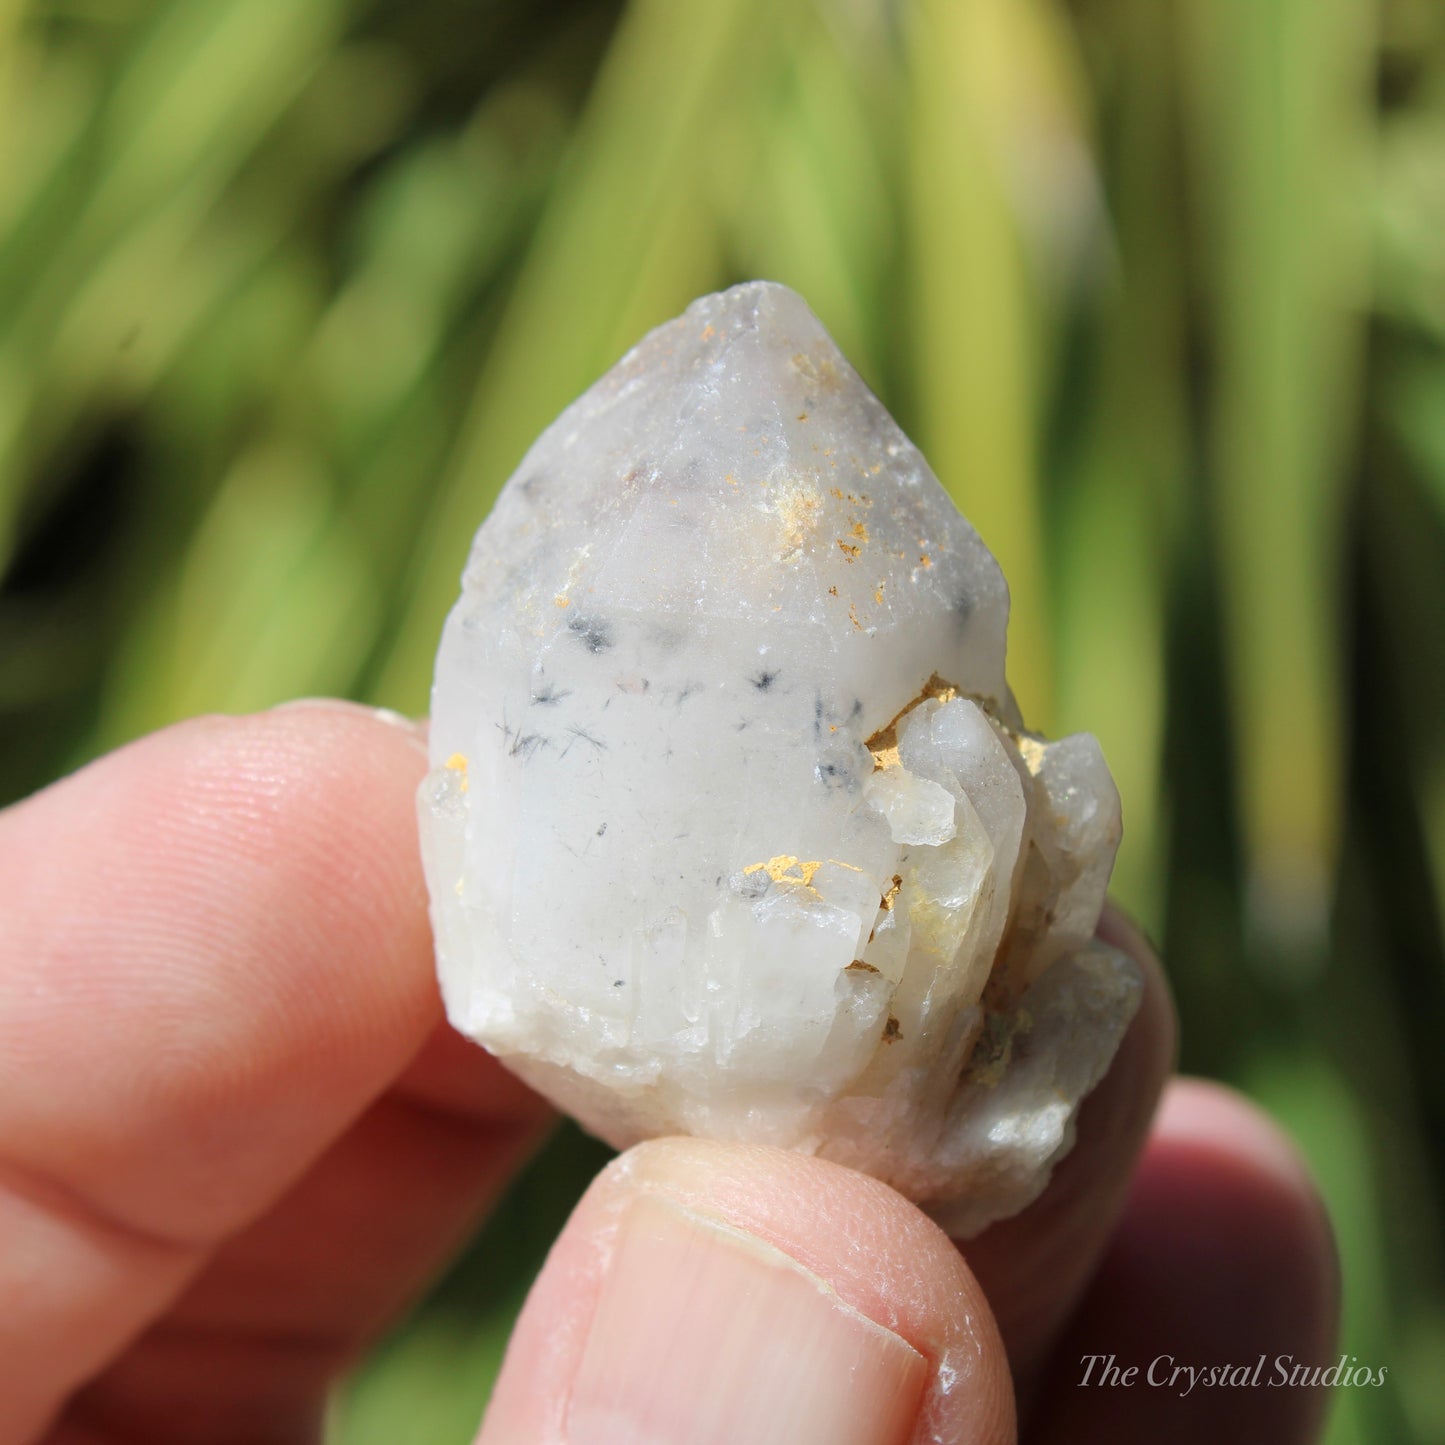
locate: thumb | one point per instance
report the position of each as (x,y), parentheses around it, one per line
(707,1293)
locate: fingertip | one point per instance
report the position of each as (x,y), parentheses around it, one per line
(1205,1116)
(1209,1134)
(412,730)
(1223,1257)
(709,1292)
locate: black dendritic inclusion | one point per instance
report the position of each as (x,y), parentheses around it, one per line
(594,633)
(519,743)
(547,695)
(764,679)
(581,735)
(525,744)
(837,768)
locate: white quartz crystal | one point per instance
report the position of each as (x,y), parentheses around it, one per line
(733,827)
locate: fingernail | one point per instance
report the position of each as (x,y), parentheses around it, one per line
(706,1336)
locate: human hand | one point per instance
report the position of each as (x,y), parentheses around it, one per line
(236,1138)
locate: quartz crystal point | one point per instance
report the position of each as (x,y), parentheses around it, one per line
(733,827)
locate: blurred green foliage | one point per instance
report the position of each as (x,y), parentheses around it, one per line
(287,286)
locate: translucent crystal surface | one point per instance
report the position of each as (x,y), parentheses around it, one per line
(733,827)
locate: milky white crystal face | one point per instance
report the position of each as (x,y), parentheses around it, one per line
(732,827)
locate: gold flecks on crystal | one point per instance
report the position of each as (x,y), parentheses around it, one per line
(884,743)
(798,514)
(885,757)
(786,868)
(457,764)
(1031,750)
(886,902)
(820,369)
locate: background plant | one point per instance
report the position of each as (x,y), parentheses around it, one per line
(287,286)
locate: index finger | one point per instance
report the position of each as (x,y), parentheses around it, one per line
(215,955)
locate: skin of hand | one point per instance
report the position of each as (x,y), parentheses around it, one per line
(237,1138)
